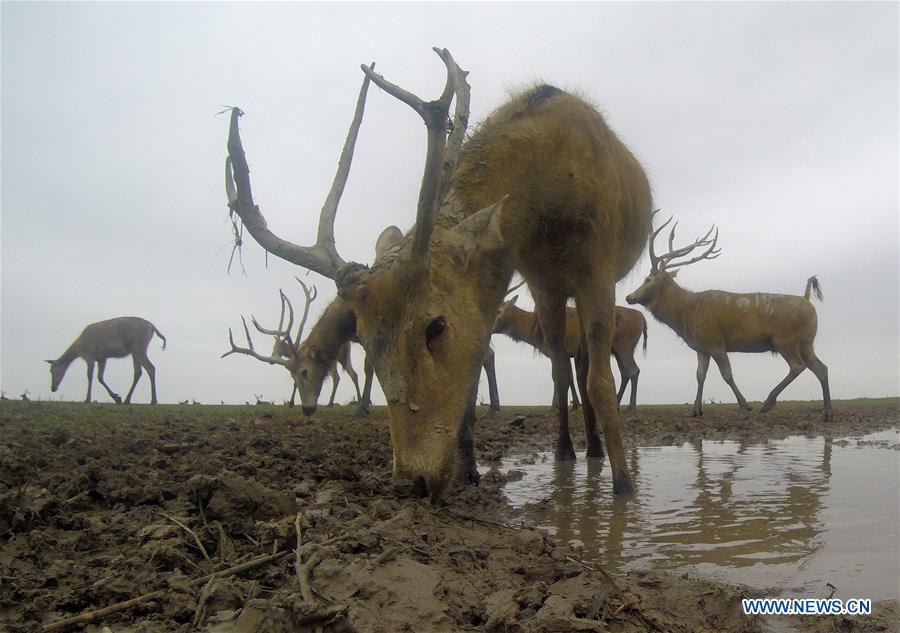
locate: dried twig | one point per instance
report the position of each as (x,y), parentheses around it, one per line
(191,532)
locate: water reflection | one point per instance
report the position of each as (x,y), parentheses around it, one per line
(761,514)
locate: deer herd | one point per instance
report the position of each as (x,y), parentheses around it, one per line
(543,188)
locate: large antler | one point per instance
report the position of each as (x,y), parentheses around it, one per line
(322,257)
(667,260)
(279,334)
(442,154)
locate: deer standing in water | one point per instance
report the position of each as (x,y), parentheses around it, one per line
(522,325)
(715,322)
(115,338)
(544,187)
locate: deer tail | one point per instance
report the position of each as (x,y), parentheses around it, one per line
(812,284)
(160,335)
(644,324)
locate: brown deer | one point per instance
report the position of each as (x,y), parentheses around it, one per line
(522,325)
(115,338)
(715,322)
(543,186)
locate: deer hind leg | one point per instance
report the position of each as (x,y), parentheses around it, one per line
(101,367)
(137,377)
(721,359)
(293,396)
(630,373)
(335,379)
(623,378)
(552,314)
(90,379)
(821,371)
(696,411)
(595,301)
(575,403)
(466,441)
(362,407)
(490,371)
(354,377)
(595,448)
(796,367)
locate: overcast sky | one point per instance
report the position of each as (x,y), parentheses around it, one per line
(779,122)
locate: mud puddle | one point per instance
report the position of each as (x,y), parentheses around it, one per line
(785,517)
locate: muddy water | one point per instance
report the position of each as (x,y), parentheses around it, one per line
(785,516)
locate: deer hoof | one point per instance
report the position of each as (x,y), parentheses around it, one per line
(564,451)
(826,416)
(117,399)
(595,452)
(695,413)
(766,406)
(490,414)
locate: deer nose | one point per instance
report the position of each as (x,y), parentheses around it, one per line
(309,410)
(631,299)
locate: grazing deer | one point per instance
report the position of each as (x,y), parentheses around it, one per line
(715,322)
(543,186)
(115,338)
(522,325)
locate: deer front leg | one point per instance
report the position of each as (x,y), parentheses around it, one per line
(795,368)
(466,442)
(137,376)
(101,367)
(293,396)
(490,371)
(721,359)
(702,366)
(90,379)
(335,379)
(552,314)
(595,446)
(362,407)
(595,301)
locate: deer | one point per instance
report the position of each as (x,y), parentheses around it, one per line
(524,326)
(543,187)
(715,322)
(114,338)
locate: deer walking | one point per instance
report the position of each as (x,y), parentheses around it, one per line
(523,325)
(114,338)
(544,187)
(715,322)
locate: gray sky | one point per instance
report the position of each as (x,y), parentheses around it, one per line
(779,122)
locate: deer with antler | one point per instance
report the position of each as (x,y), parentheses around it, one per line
(114,338)
(715,322)
(523,325)
(308,362)
(544,187)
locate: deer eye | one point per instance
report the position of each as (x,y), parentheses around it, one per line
(320,360)
(435,329)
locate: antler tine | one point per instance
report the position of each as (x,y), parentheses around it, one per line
(285,333)
(514,288)
(654,260)
(310,297)
(710,253)
(249,351)
(322,257)
(435,114)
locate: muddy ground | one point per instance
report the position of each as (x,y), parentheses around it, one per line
(192,513)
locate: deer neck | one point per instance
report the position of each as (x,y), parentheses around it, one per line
(336,327)
(525,328)
(68,356)
(671,306)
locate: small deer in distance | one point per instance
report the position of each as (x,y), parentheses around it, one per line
(715,322)
(543,187)
(522,325)
(114,338)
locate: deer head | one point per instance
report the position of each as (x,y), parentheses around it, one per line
(662,267)
(425,310)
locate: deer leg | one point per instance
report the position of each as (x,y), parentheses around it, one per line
(335,379)
(293,395)
(821,371)
(623,379)
(354,377)
(490,371)
(575,403)
(595,447)
(466,441)
(151,373)
(552,314)
(595,302)
(362,407)
(630,373)
(137,376)
(795,368)
(702,366)
(101,367)
(725,369)
(90,378)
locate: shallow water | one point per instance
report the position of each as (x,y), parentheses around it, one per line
(786,516)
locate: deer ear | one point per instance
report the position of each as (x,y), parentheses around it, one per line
(481,230)
(673,274)
(49,361)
